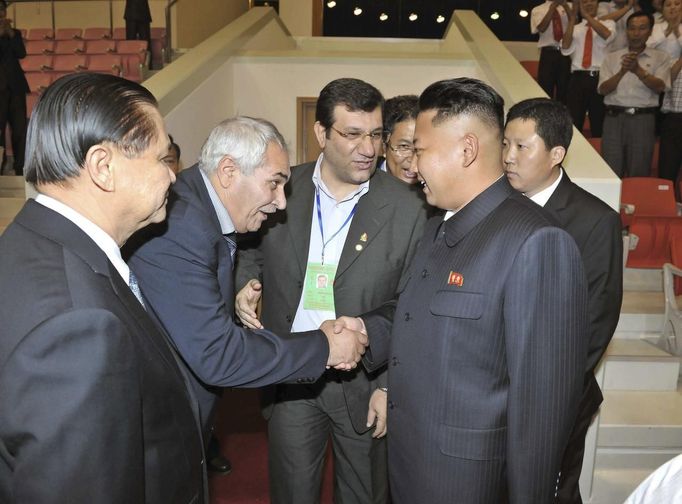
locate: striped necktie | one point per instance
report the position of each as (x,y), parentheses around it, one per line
(135,288)
(231,239)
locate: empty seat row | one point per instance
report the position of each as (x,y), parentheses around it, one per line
(95,33)
(127,66)
(87,47)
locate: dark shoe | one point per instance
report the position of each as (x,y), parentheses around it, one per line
(219,465)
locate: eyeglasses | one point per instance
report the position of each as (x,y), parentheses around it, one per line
(359,136)
(402,150)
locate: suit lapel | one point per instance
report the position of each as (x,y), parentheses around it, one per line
(559,201)
(299,213)
(366,225)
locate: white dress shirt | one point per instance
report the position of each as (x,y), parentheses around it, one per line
(546,38)
(334,214)
(577,47)
(542,197)
(105,242)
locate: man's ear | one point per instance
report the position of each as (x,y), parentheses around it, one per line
(320,134)
(227,171)
(470,144)
(557,154)
(100,167)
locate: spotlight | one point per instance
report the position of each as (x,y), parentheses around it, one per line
(440,19)
(383,16)
(523,13)
(495,16)
(357,11)
(413,17)
(331,4)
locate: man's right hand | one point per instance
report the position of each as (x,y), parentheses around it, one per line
(246,303)
(346,346)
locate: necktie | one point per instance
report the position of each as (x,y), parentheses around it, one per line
(231,240)
(135,288)
(587,51)
(556,26)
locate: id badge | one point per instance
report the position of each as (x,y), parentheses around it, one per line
(318,293)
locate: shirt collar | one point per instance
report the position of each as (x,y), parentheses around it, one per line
(226,225)
(543,196)
(322,187)
(105,242)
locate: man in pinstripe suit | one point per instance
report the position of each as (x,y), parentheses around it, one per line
(486,345)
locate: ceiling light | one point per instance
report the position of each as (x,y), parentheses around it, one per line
(440,19)
(523,13)
(357,11)
(495,16)
(331,4)
(413,17)
(383,16)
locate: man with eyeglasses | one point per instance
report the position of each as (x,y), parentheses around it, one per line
(400,114)
(359,227)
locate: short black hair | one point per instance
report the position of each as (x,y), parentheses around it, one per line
(552,120)
(641,14)
(174,146)
(464,96)
(78,111)
(398,109)
(3,5)
(354,94)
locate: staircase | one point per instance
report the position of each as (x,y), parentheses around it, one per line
(640,423)
(12,198)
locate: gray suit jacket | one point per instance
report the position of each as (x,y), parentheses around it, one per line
(486,356)
(392,217)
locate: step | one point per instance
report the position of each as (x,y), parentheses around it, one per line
(12,186)
(641,315)
(640,279)
(613,486)
(638,365)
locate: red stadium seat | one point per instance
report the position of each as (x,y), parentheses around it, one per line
(70,63)
(119,33)
(100,46)
(531,67)
(31,100)
(36,63)
(650,240)
(39,46)
(135,55)
(40,34)
(105,63)
(647,197)
(38,81)
(69,47)
(68,33)
(96,33)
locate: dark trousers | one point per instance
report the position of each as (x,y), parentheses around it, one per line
(140,30)
(670,154)
(13,111)
(303,419)
(583,99)
(554,70)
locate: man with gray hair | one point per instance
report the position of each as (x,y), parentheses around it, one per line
(185,268)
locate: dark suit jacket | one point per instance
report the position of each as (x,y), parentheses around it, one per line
(93,405)
(596,229)
(11,74)
(184,269)
(486,357)
(391,216)
(137,10)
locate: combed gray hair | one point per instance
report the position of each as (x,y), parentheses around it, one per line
(244,139)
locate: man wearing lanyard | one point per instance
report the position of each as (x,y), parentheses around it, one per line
(342,246)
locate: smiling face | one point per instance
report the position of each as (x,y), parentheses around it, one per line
(672,9)
(249,199)
(399,151)
(530,167)
(350,161)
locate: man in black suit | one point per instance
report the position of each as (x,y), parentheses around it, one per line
(13,89)
(358,227)
(185,269)
(487,350)
(94,405)
(138,20)
(536,138)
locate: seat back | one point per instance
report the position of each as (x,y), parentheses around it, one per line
(105,63)
(650,239)
(40,34)
(69,47)
(39,46)
(100,46)
(119,33)
(68,33)
(37,63)
(70,63)
(38,81)
(96,33)
(646,196)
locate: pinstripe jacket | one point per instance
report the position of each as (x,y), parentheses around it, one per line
(486,352)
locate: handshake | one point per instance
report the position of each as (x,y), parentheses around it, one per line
(347,336)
